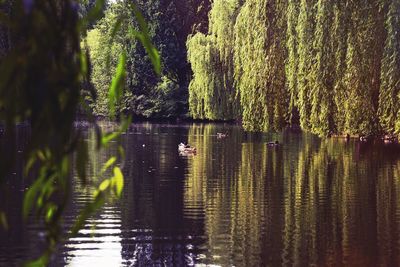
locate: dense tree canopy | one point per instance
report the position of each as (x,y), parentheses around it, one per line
(389,94)
(331,66)
(259,64)
(212,93)
(148,95)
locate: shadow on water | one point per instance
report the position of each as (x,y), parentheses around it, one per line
(237,202)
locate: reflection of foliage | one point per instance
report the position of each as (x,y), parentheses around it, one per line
(40,82)
(300,204)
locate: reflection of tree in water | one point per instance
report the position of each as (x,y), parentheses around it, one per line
(388,214)
(238,202)
(308,202)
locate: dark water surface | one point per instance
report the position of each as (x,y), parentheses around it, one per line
(237,202)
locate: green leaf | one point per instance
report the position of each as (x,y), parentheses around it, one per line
(143,36)
(117,84)
(31,161)
(119,181)
(104,185)
(152,52)
(51,209)
(109,137)
(40,262)
(30,196)
(109,162)
(87,211)
(116,27)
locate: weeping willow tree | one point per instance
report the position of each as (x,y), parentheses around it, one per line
(360,116)
(305,31)
(222,21)
(321,117)
(292,61)
(340,32)
(259,56)
(331,66)
(211,92)
(389,95)
(204,89)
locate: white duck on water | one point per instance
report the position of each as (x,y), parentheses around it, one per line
(186,148)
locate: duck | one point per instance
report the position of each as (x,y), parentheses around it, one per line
(222,135)
(273,144)
(363,139)
(388,139)
(186,148)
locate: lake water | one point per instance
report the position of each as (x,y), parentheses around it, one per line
(237,202)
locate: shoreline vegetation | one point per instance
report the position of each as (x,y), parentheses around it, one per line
(104,122)
(330,67)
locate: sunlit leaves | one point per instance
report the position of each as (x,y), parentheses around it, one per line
(50,211)
(259,64)
(317,63)
(212,93)
(108,164)
(104,185)
(118,181)
(389,93)
(108,188)
(117,84)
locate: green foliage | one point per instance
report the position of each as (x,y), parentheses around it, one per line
(305,31)
(167,31)
(40,83)
(329,64)
(321,94)
(205,85)
(117,83)
(389,94)
(212,93)
(360,115)
(340,33)
(260,55)
(162,103)
(105,48)
(292,61)
(143,36)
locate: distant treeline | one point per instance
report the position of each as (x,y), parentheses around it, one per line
(147,95)
(332,66)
